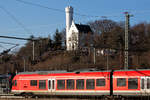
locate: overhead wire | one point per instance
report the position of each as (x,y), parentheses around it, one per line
(62,11)
(15,19)
(39,5)
(2,46)
(59,10)
(8,43)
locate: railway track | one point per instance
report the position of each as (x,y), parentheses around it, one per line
(13,97)
(10,96)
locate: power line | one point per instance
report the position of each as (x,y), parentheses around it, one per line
(15,19)
(8,43)
(79,14)
(2,47)
(34,4)
(7,50)
(19,38)
(139,11)
(59,10)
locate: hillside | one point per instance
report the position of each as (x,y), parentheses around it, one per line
(51,54)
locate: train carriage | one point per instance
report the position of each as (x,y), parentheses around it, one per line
(5,83)
(87,83)
(131,83)
(62,83)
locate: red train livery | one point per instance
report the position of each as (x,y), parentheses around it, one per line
(92,83)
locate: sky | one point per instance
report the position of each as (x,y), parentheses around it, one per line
(35,17)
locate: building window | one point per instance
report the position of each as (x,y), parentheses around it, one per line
(132,83)
(69,39)
(80,84)
(121,82)
(33,83)
(90,84)
(70,84)
(42,84)
(60,84)
(100,82)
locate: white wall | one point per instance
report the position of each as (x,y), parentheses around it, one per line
(69,19)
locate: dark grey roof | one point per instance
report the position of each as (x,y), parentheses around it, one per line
(83,28)
(43,72)
(76,71)
(133,70)
(61,71)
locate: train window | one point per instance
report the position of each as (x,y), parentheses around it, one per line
(60,84)
(42,84)
(53,84)
(14,83)
(33,83)
(80,84)
(70,84)
(100,82)
(121,82)
(49,84)
(90,84)
(1,80)
(142,83)
(148,83)
(132,83)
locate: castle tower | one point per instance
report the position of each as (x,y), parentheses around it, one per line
(69,19)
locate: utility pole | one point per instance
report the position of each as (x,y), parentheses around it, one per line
(24,64)
(107,60)
(33,50)
(94,56)
(126,53)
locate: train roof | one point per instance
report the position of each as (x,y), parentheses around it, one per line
(84,70)
(42,72)
(132,72)
(61,71)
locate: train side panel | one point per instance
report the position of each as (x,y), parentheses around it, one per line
(86,83)
(129,83)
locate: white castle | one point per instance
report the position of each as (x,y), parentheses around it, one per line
(77,35)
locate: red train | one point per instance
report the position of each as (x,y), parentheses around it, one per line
(91,83)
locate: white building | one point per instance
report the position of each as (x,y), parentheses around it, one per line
(77,35)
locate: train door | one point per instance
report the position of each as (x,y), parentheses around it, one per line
(145,85)
(51,85)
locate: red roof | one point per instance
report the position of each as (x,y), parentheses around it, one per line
(132,73)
